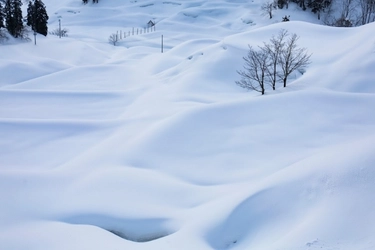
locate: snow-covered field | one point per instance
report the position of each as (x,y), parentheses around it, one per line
(125,147)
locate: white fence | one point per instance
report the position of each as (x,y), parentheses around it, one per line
(134,31)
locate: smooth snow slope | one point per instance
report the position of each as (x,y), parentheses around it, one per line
(125,147)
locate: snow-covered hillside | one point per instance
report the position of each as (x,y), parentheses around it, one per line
(125,147)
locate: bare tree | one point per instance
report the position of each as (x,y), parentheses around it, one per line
(254,74)
(292,57)
(274,50)
(347,8)
(113,39)
(340,14)
(367,8)
(267,8)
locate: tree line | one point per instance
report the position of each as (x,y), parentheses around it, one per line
(340,13)
(86,1)
(273,62)
(12,20)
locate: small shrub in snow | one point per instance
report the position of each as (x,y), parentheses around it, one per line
(343,22)
(59,32)
(286,18)
(113,39)
(3,35)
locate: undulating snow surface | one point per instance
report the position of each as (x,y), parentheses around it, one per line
(125,147)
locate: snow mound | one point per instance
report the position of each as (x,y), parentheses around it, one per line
(125,147)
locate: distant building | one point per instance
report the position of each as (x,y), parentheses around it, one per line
(150,24)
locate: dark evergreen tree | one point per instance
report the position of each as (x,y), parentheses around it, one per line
(2,16)
(37,17)
(7,10)
(18,18)
(13,17)
(317,6)
(30,15)
(301,3)
(282,3)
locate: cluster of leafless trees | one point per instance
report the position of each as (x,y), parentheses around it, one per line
(273,62)
(340,13)
(347,13)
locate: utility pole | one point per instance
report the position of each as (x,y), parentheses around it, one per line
(162,44)
(59,27)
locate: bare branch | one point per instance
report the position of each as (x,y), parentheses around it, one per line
(267,8)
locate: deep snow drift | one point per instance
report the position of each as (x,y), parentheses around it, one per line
(125,147)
